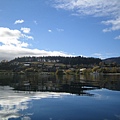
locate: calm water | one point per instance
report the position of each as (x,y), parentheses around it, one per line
(36,97)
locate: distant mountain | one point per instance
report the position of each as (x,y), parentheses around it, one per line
(113,59)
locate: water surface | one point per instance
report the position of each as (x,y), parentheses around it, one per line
(60,98)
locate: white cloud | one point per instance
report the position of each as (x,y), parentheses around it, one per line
(19,21)
(27,37)
(10,52)
(118,37)
(98,55)
(90,7)
(95,8)
(10,37)
(25,30)
(115,25)
(60,30)
(12,45)
(50,31)
(104,55)
(35,22)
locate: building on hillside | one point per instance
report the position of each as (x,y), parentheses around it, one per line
(82,69)
(27,64)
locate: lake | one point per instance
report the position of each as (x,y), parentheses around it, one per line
(68,97)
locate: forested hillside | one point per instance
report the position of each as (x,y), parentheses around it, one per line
(58,59)
(112,60)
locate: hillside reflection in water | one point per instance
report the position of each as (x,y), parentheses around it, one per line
(66,83)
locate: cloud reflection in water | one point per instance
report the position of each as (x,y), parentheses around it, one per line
(12,102)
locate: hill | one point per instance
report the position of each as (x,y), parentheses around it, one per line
(112,60)
(59,59)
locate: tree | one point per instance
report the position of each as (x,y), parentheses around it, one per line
(95,69)
(59,72)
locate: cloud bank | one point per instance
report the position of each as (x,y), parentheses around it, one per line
(14,43)
(96,8)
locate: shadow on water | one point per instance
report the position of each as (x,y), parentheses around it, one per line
(66,83)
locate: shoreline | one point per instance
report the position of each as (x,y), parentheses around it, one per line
(111,73)
(47,73)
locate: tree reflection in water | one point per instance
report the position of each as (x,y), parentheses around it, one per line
(65,83)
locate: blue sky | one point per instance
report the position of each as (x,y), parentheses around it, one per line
(59,28)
